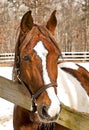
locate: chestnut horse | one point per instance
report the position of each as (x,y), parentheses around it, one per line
(49,83)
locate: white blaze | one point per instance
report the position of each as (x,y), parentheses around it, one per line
(42,52)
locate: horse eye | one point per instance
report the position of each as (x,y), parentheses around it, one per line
(26,57)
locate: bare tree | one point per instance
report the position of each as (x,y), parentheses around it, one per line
(72,16)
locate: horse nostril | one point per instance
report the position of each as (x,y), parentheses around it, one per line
(44,114)
(44,111)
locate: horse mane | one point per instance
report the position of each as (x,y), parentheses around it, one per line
(46,33)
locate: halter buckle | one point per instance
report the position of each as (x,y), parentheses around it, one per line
(34,105)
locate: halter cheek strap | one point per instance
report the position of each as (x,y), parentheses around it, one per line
(38,92)
(34,108)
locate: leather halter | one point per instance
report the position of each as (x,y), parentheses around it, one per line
(38,92)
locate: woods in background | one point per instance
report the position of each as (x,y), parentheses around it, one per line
(72,33)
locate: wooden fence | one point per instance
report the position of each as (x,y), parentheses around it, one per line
(12,92)
(68,117)
(67,56)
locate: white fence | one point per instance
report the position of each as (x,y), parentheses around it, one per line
(7,57)
(75,56)
(67,56)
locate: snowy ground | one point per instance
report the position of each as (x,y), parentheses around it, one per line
(85,65)
(6,108)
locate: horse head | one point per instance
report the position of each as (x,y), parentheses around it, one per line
(36,60)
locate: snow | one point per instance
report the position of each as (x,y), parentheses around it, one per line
(85,65)
(6,108)
(6,112)
(6,72)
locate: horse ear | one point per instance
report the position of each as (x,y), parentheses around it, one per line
(27,22)
(52,22)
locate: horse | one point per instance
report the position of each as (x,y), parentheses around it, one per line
(48,82)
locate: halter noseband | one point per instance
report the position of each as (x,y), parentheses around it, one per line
(38,92)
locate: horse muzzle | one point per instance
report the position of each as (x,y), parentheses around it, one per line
(44,116)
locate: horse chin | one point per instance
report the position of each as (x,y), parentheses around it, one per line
(47,120)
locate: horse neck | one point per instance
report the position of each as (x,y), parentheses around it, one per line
(71,91)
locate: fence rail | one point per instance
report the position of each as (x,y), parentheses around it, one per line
(68,117)
(67,56)
(7,57)
(75,56)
